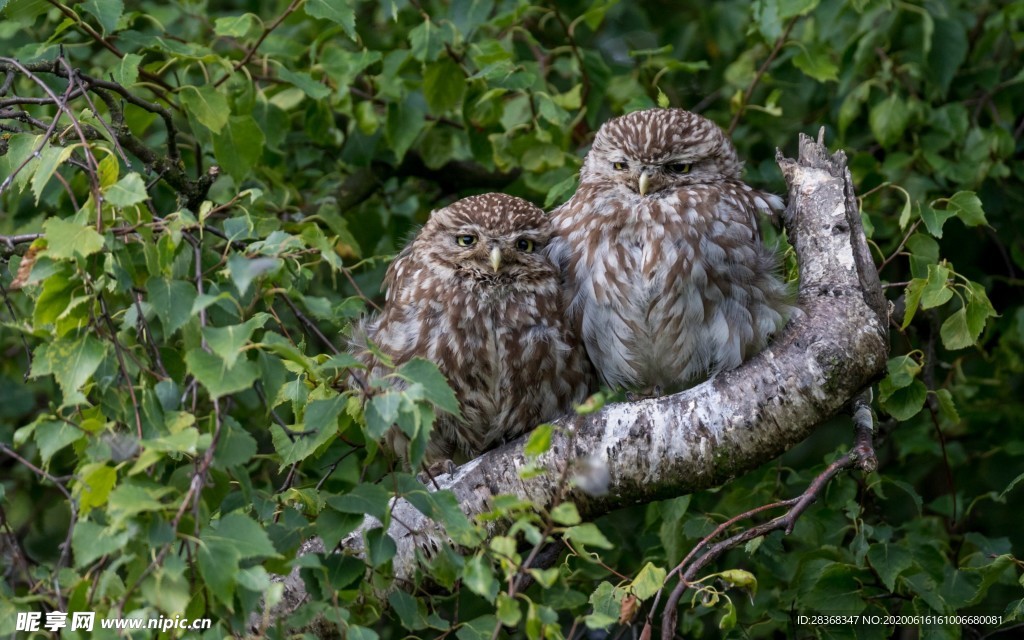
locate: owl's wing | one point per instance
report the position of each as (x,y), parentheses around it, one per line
(399,269)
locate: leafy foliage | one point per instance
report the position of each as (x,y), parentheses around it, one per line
(178,412)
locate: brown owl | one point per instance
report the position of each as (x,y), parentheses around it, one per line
(476,293)
(668,279)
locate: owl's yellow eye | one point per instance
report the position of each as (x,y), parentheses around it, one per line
(466,240)
(525,245)
(680,167)
(620,166)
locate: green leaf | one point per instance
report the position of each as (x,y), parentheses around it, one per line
(817,63)
(244,270)
(129,500)
(435,386)
(125,73)
(648,582)
(906,210)
(663,100)
(364,499)
(93,486)
(606,601)
(937,291)
(955,332)
(979,309)
(236,26)
(54,435)
(947,407)
(341,12)
(546,578)
(107,13)
(478,577)
(427,40)
(442,507)
(54,298)
(945,59)
(126,192)
(412,612)
(239,146)
(207,105)
(934,219)
(966,205)
(66,240)
(566,514)
(902,371)
(305,82)
(218,378)
(444,85)
(91,541)
(320,426)
(332,526)
(51,157)
(172,300)
(71,362)
(509,612)
(479,628)
(833,588)
(924,250)
(913,294)
(380,547)
(792,8)
(404,122)
(903,404)
(588,534)
(889,561)
(539,441)
(342,571)
(236,537)
(381,413)
(229,342)
(888,120)
(728,620)
(235,447)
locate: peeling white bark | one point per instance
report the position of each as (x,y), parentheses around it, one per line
(707,435)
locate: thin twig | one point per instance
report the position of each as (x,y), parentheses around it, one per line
(861,455)
(779,43)
(903,242)
(120,361)
(65,552)
(263,36)
(106,44)
(194,489)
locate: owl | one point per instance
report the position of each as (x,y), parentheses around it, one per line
(668,279)
(476,293)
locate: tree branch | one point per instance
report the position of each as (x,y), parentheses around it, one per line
(643,451)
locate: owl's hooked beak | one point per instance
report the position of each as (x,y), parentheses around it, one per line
(495,258)
(645,182)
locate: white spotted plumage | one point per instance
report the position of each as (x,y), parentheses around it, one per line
(667,277)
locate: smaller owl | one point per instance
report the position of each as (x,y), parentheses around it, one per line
(476,293)
(668,278)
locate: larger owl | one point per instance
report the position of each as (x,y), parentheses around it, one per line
(476,293)
(668,278)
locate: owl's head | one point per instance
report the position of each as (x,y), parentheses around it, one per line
(491,237)
(660,150)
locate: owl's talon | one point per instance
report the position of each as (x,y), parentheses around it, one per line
(439,468)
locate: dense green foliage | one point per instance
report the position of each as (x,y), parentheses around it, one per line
(175,415)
